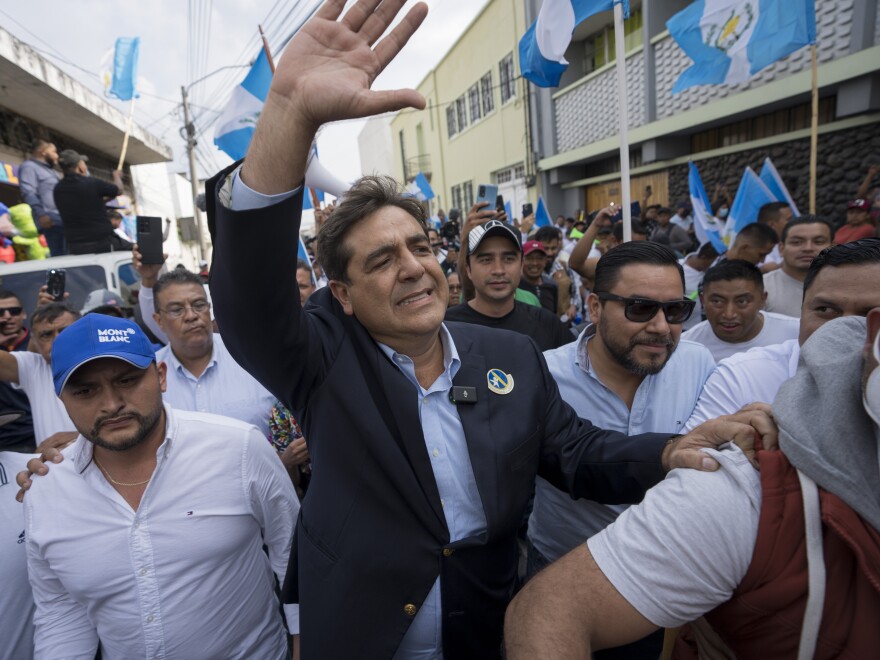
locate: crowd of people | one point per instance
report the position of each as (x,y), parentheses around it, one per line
(446,436)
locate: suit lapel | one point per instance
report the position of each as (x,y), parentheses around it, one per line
(477,429)
(387,384)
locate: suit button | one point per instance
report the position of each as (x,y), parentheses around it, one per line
(447,552)
(410,610)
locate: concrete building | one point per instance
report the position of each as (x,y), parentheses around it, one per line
(375,146)
(722,128)
(39,100)
(475,128)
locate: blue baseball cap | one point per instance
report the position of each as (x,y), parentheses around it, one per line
(98,336)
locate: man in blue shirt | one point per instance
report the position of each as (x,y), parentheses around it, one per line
(627,372)
(37,180)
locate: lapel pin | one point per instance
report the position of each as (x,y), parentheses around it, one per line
(499,382)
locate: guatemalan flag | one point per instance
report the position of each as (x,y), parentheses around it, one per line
(236,124)
(751,195)
(542,48)
(729,41)
(125,62)
(706,227)
(774,182)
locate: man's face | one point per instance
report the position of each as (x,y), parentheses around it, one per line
(663,219)
(839,291)
(45,332)
(803,243)
(552,248)
(50,154)
(396,287)
(732,308)
(451,255)
(434,238)
(533,265)
(560,221)
(856,217)
(11,324)
(641,348)
(750,251)
(189,332)
(784,217)
(304,282)
(495,269)
(114,404)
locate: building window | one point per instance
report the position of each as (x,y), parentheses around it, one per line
(461,112)
(508,78)
(467,196)
(503,176)
(451,124)
(488,93)
(456,197)
(474,102)
(599,49)
(519,172)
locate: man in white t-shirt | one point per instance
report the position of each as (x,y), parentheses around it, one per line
(802,240)
(16,599)
(834,287)
(702,544)
(733,297)
(33,371)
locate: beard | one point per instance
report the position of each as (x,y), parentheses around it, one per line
(624,352)
(146,424)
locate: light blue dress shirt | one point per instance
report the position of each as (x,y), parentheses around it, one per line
(459,497)
(663,403)
(224,388)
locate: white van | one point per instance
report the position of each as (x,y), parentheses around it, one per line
(85,273)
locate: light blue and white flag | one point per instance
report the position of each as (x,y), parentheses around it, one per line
(125,61)
(235,128)
(542,48)
(420,188)
(706,227)
(542,215)
(774,182)
(751,195)
(729,41)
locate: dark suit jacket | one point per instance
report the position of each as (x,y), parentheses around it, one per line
(371,538)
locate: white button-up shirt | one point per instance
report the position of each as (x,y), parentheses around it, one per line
(224,388)
(184,576)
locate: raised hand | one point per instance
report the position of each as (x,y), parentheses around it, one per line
(325,75)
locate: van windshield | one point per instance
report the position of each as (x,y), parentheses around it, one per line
(81,281)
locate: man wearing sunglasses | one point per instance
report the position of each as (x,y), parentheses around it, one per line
(628,372)
(18,433)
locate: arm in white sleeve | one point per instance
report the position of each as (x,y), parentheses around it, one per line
(61,626)
(275,506)
(147,306)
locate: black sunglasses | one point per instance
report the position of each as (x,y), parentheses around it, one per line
(642,310)
(13,311)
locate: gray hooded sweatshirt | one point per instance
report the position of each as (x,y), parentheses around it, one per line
(823,427)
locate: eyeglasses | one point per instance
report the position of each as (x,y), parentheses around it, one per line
(642,310)
(176,311)
(13,311)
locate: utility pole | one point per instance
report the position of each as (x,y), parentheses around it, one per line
(193,177)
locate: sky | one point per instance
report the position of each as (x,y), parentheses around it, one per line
(183,40)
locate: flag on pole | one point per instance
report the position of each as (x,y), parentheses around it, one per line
(751,195)
(774,182)
(236,125)
(729,41)
(542,216)
(542,48)
(124,76)
(420,188)
(706,227)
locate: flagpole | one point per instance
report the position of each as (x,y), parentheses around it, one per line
(814,132)
(619,49)
(127,133)
(266,48)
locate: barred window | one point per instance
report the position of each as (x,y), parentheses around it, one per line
(456,197)
(474,102)
(488,93)
(503,176)
(519,172)
(467,194)
(461,112)
(508,78)
(451,125)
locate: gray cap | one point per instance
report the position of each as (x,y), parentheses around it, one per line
(492,228)
(100,298)
(69,158)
